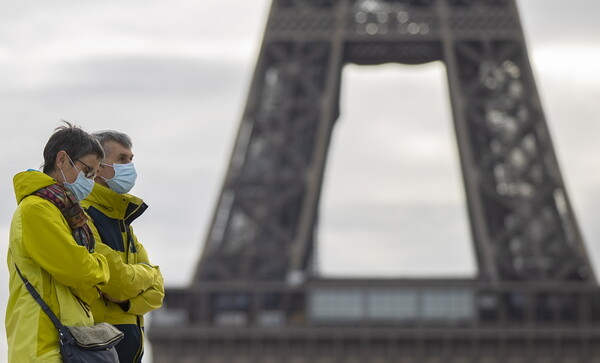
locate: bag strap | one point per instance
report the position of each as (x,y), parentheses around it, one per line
(63,333)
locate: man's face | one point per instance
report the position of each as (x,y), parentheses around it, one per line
(115,154)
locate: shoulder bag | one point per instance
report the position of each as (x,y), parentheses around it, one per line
(81,344)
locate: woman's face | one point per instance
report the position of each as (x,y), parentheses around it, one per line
(87,164)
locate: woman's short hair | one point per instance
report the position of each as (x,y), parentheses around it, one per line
(74,141)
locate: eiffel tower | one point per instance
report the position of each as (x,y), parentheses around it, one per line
(256,296)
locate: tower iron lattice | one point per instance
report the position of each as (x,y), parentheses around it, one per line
(255,296)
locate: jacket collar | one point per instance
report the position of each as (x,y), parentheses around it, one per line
(113,204)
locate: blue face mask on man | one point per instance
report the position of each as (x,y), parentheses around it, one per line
(82,186)
(124,179)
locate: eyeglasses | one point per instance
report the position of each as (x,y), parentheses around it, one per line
(88,172)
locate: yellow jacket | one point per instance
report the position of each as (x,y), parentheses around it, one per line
(64,274)
(132,277)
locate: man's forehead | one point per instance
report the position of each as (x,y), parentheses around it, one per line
(113,148)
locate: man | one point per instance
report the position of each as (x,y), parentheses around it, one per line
(135,286)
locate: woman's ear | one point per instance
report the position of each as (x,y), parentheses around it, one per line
(61,160)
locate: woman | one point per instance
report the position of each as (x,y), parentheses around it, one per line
(53,247)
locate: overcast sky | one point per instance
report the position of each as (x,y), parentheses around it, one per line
(175,74)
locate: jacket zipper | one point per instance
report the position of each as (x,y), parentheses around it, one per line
(140,351)
(83,305)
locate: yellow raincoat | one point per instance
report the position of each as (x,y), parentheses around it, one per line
(64,273)
(132,277)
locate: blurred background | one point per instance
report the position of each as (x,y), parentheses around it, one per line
(175,77)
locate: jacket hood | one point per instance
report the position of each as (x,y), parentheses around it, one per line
(29,181)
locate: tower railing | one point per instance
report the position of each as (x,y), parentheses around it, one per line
(379,303)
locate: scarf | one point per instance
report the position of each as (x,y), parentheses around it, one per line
(67,203)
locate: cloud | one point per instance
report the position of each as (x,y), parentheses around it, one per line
(400,239)
(556,21)
(554,61)
(128,75)
(74,30)
(394,141)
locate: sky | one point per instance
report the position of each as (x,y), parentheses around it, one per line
(174,75)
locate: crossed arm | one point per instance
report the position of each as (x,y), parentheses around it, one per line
(139,287)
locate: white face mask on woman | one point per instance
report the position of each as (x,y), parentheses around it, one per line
(124,179)
(82,186)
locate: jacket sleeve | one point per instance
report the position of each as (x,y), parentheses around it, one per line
(88,295)
(152,298)
(48,241)
(126,280)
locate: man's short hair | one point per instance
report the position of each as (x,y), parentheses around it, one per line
(110,135)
